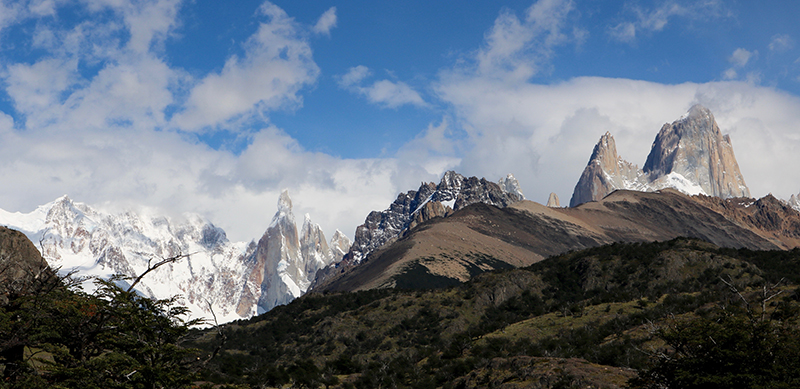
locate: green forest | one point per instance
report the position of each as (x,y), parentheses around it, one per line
(676,314)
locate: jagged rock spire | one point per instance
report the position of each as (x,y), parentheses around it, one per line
(604,173)
(553,201)
(695,148)
(689,154)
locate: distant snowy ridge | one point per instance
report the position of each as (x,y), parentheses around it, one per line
(216,274)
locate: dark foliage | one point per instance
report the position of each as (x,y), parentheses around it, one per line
(440,339)
(59,336)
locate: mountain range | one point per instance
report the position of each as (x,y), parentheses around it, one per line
(690,186)
(440,234)
(218,278)
(223,280)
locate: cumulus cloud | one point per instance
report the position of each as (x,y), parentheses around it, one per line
(326,22)
(517,49)
(436,149)
(741,56)
(544,134)
(276,65)
(385,93)
(354,76)
(645,21)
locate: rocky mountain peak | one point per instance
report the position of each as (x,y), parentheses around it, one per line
(510,185)
(604,173)
(284,204)
(451,180)
(605,151)
(695,148)
(284,263)
(339,244)
(689,154)
(453,192)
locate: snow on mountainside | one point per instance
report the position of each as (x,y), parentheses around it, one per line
(794,202)
(74,236)
(453,192)
(284,264)
(690,155)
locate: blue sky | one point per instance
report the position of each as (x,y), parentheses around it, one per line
(215,107)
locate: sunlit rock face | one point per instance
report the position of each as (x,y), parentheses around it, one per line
(605,173)
(690,155)
(285,263)
(695,148)
(552,200)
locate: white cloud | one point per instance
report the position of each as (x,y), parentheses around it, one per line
(517,49)
(385,93)
(739,59)
(647,21)
(741,56)
(392,94)
(730,74)
(326,22)
(544,134)
(781,42)
(276,65)
(436,149)
(354,76)
(624,32)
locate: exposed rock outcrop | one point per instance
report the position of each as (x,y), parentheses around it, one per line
(605,173)
(453,192)
(284,263)
(552,200)
(694,147)
(690,155)
(340,244)
(22,269)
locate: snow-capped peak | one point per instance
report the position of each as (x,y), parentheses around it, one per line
(75,236)
(510,185)
(284,209)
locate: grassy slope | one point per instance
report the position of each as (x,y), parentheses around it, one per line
(582,318)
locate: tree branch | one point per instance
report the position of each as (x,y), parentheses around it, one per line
(156,266)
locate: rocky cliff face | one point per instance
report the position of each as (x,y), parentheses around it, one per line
(22,268)
(605,173)
(284,263)
(340,244)
(690,155)
(694,147)
(794,202)
(453,192)
(553,201)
